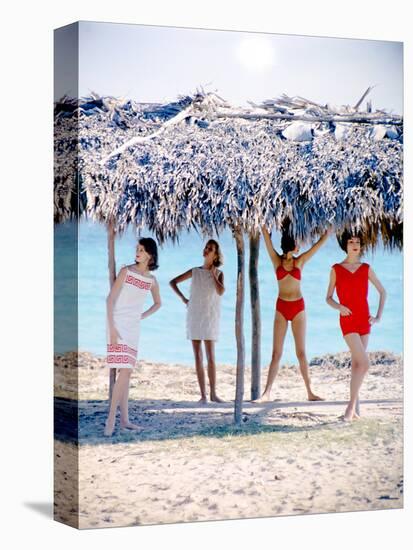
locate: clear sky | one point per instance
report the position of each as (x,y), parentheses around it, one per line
(156,64)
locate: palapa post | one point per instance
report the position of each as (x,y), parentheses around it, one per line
(255,316)
(239,325)
(112,277)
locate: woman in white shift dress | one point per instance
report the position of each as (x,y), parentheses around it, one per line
(124,314)
(203,311)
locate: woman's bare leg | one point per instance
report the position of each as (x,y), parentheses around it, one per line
(124,410)
(123,405)
(197,347)
(120,388)
(359,368)
(365,341)
(298,326)
(279,332)
(210,353)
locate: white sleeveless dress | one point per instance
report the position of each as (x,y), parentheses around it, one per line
(127,313)
(203,309)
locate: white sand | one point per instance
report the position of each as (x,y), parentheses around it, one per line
(190,463)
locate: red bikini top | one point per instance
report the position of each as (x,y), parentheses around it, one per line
(281,272)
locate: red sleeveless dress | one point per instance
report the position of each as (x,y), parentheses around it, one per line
(352,292)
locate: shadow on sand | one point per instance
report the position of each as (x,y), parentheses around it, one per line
(83,422)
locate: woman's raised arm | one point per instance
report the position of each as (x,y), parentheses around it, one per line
(305,256)
(273,254)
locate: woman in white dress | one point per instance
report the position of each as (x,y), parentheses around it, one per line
(203,311)
(124,313)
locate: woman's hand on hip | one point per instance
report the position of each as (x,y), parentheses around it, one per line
(344,311)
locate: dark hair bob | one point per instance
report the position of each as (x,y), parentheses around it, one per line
(151,248)
(346,236)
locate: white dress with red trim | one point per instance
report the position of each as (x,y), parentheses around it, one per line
(127,313)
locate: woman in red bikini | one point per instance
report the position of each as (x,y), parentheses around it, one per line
(350,279)
(289,307)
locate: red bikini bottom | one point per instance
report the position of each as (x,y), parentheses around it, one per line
(289,309)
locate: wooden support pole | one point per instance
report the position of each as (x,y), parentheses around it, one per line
(112,277)
(255,317)
(239,326)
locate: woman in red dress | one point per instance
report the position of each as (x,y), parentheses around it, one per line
(350,279)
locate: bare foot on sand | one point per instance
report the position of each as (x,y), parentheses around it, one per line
(109,429)
(349,414)
(217,399)
(350,418)
(203,401)
(314,397)
(130,426)
(265,398)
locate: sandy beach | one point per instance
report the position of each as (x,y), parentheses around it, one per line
(190,463)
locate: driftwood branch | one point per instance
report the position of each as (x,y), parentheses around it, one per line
(360,101)
(353,118)
(139,139)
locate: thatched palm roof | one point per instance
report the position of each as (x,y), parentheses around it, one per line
(199,162)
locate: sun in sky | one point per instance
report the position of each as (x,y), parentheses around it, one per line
(256,53)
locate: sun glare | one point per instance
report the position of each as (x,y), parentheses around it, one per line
(256,53)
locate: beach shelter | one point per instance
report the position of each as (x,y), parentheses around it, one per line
(199,162)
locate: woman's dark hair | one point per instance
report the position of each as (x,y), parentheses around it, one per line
(219,260)
(287,241)
(150,247)
(346,236)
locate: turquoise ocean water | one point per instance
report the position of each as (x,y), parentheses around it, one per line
(163,334)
